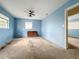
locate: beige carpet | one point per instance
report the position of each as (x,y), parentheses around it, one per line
(36,48)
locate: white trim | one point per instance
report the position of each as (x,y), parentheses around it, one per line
(65,36)
(66,17)
(71,7)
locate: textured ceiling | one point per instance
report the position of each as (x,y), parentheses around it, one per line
(42,8)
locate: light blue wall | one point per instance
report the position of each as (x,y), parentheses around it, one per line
(52,26)
(6,35)
(20,30)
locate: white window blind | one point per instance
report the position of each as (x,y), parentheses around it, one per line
(28,25)
(4,21)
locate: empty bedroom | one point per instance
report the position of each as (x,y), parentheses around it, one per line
(39,29)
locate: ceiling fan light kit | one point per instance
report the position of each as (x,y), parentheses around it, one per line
(30,12)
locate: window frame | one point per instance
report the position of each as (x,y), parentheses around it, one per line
(5,19)
(28,24)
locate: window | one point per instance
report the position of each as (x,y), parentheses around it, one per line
(28,25)
(4,21)
(73,21)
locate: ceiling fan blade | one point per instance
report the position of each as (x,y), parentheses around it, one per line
(30,15)
(33,14)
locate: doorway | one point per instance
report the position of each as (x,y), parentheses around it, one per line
(72,26)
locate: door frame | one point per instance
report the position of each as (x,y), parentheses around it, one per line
(66,22)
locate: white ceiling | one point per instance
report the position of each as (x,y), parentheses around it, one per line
(42,8)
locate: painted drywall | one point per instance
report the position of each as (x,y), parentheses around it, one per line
(6,35)
(20,30)
(52,26)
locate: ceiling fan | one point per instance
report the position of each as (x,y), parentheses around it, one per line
(30,12)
